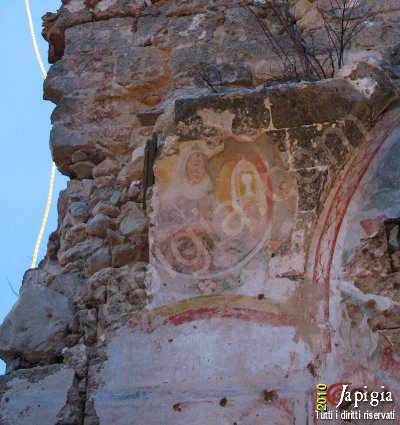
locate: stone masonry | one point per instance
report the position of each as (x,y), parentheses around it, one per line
(266,258)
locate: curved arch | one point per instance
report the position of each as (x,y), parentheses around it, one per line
(324,243)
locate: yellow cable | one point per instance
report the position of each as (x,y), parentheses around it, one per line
(33,34)
(53,167)
(45,216)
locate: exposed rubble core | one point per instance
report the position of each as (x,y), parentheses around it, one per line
(227,240)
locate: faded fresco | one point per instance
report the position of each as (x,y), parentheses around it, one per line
(219,204)
(226,214)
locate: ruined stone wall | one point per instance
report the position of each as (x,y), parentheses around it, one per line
(267,259)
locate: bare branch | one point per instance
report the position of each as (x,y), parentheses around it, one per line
(276,47)
(343,29)
(342,21)
(12,288)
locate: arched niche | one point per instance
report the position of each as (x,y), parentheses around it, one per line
(353,284)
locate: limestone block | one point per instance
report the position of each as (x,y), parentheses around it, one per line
(227,74)
(79,212)
(34,396)
(80,251)
(82,169)
(185,62)
(106,168)
(124,254)
(133,171)
(99,260)
(69,284)
(98,225)
(104,207)
(74,235)
(134,222)
(36,326)
(190,29)
(63,142)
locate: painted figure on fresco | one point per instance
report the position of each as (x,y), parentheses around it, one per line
(216,208)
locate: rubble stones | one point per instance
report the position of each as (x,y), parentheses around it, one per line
(79,251)
(108,167)
(103,207)
(79,212)
(134,222)
(99,260)
(124,254)
(98,225)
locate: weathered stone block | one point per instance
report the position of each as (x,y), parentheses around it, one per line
(101,259)
(106,208)
(134,222)
(35,328)
(79,251)
(70,285)
(190,29)
(186,61)
(98,225)
(34,396)
(65,141)
(143,71)
(225,75)
(290,105)
(124,254)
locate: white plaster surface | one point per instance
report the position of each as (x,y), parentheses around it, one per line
(196,365)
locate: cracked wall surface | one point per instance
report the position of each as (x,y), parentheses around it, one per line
(267,258)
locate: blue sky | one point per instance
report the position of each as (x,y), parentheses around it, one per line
(26,159)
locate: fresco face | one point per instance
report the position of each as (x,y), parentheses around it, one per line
(216,205)
(196,167)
